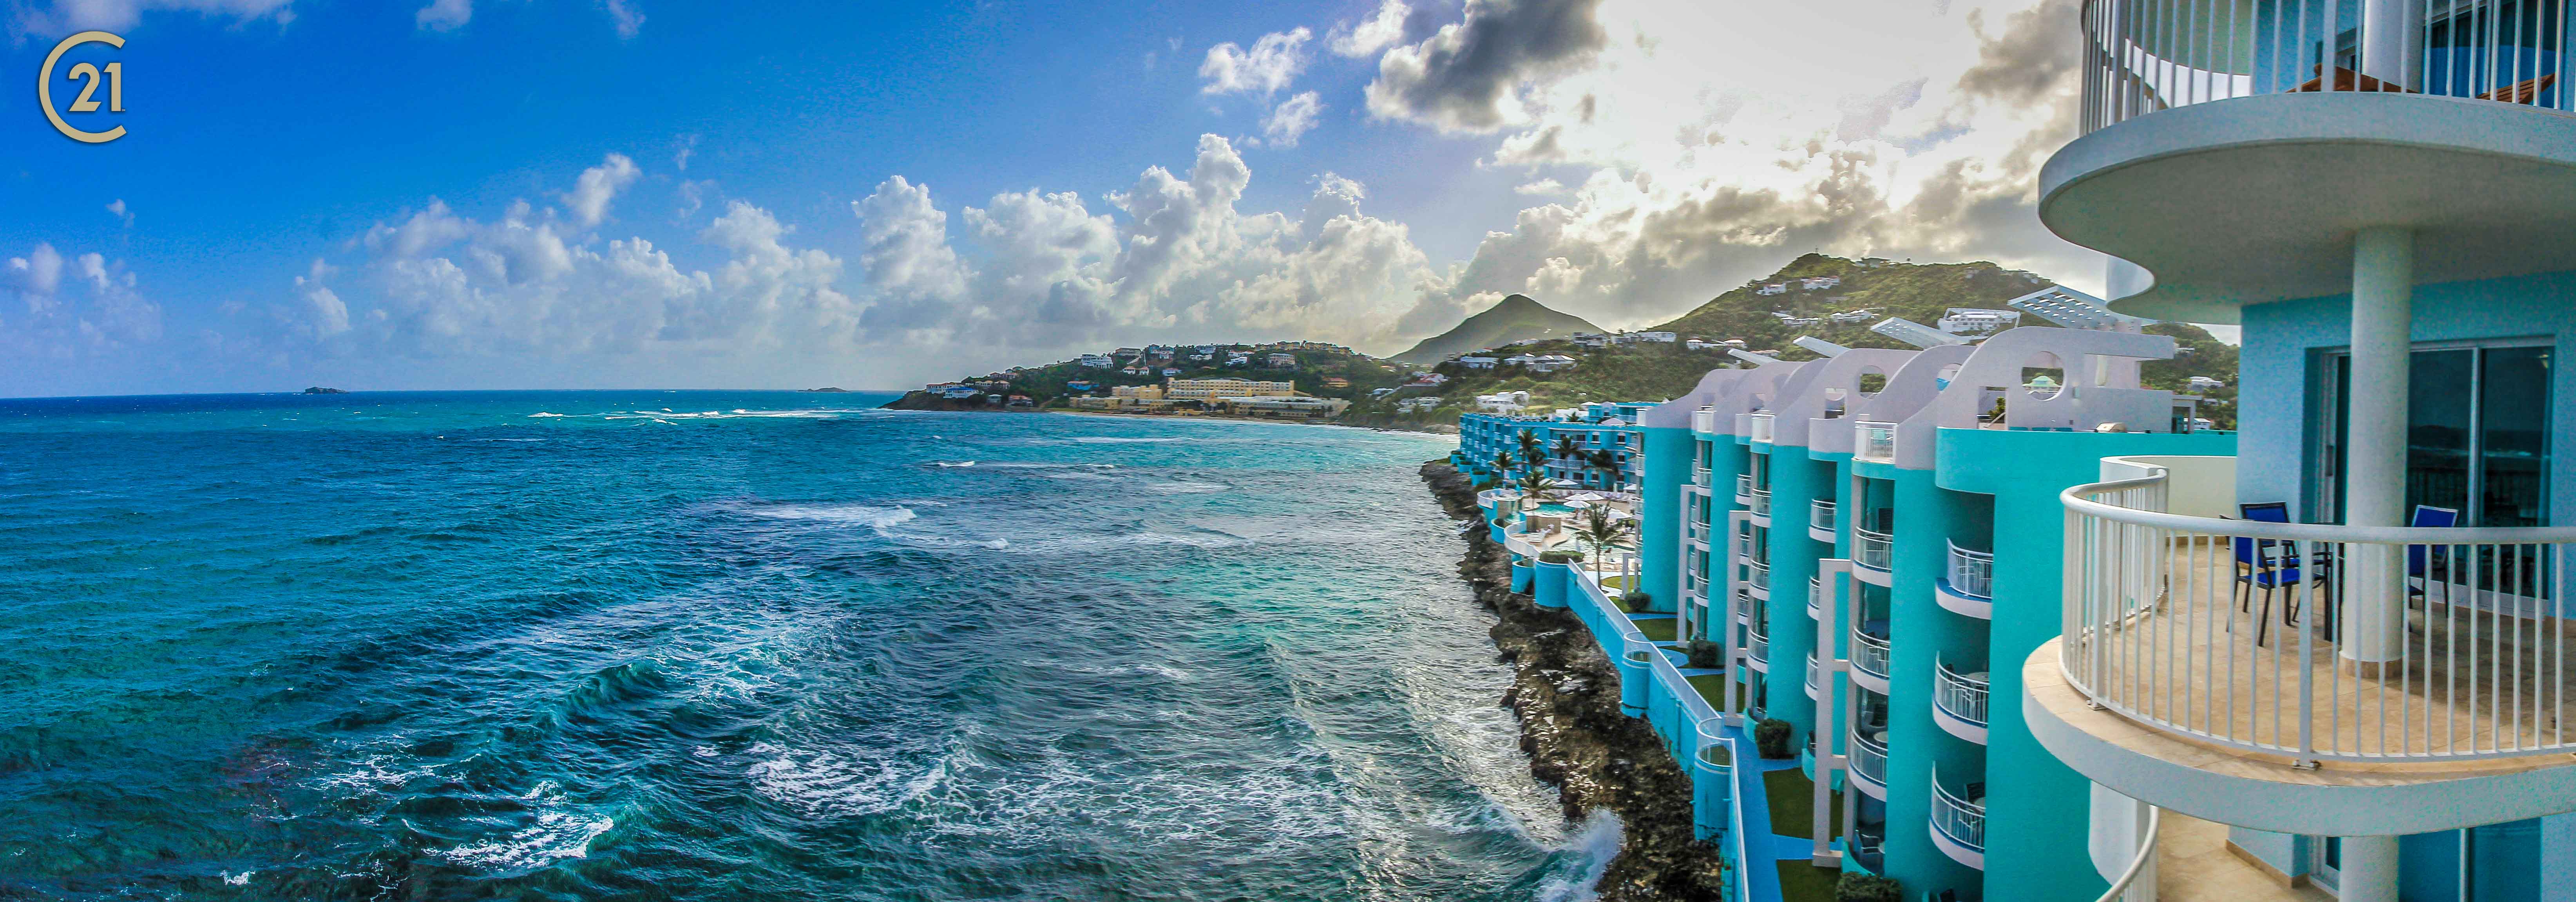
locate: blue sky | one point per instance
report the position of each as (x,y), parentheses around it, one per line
(596,193)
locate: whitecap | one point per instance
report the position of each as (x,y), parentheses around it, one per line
(961,463)
(878,516)
(540,414)
(553,836)
(1589,851)
(232,879)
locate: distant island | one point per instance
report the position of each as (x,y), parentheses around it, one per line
(319,390)
(1559,360)
(833,390)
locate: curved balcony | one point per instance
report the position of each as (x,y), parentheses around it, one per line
(2229,158)
(1744,489)
(1873,554)
(1815,691)
(1759,427)
(1874,442)
(1959,821)
(1868,749)
(1758,579)
(1869,655)
(1959,702)
(1816,598)
(1820,520)
(1700,475)
(1761,505)
(1967,583)
(1704,421)
(2318,642)
(1757,646)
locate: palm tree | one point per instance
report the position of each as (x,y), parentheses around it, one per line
(1603,532)
(1607,463)
(1566,448)
(1530,447)
(1502,464)
(1536,488)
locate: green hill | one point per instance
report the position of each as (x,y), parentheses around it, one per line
(1919,292)
(1517,318)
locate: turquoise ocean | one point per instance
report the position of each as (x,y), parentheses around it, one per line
(741,646)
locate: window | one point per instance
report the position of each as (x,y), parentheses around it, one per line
(2477,436)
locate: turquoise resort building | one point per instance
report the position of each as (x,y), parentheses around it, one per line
(1593,446)
(2012,629)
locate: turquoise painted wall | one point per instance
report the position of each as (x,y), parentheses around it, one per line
(2281,337)
(1795,480)
(1921,631)
(2037,809)
(1667,469)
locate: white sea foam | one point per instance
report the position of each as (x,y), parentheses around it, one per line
(1589,851)
(232,879)
(1185,487)
(827,785)
(553,836)
(877,516)
(542,414)
(957,463)
(1119,440)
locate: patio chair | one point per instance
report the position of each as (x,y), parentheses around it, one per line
(2421,558)
(2268,565)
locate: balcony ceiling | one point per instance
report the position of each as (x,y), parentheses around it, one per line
(2256,199)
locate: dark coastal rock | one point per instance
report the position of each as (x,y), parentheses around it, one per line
(1564,692)
(319,390)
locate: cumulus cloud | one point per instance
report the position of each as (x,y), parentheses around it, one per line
(64,16)
(588,200)
(1468,76)
(444,15)
(1268,67)
(1291,119)
(622,16)
(53,306)
(1382,29)
(1692,171)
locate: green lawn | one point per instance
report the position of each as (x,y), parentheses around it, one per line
(1803,882)
(1711,686)
(1793,802)
(1660,629)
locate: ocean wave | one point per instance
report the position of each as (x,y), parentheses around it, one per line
(952,463)
(1185,487)
(877,516)
(1120,439)
(544,415)
(1585,855)
(553,834)
(822,784)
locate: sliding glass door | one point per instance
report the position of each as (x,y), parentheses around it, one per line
(2477,437)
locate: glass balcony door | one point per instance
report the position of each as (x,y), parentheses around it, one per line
(2477,433)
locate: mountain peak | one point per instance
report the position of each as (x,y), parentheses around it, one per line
(1517,317)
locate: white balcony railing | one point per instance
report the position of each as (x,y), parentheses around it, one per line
(1762,502)
(1872,549)
(1959,816)
(1963,695)
(1700,475)
(1744,489)
(1703,420)
(1874,441)
(1760,425)
(1760,575)
(1869,654)
(1815,597)
(2142,56)
(1758,642)
(1868,755)
(1972,573)
(2318,642)
(1820,515)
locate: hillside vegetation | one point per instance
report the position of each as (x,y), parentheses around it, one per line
(1919,292)
(1046,386)
(1517,318)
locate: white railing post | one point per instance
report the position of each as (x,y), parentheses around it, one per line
(1828,626)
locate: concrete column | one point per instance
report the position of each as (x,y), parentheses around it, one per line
(2392,40)
(2369,871)
(2374,479)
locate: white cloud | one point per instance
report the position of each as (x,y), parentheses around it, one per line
(622,14)
(64,16)
(1271,64)
(1293,117)
(444,15)
(588,200)
(324,313)
(1701,169)
(118,209)
(1379,31)
(45,315)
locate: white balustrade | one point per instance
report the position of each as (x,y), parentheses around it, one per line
(1874,441)
(1873,550)
(1963,696)
(1972,573)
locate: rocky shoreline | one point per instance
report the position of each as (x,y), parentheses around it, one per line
(1566,695)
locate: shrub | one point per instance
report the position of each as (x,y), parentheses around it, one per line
(1771,738)
(1867,888)
(1637,601)
(1704,654)
(1559,557)
(1504,522)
